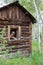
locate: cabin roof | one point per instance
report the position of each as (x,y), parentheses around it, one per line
(22,8)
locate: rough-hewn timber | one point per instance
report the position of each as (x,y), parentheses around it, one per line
(15,16)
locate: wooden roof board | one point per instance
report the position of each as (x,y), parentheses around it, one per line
(22,8)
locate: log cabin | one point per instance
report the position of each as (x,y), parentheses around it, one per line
(18,22)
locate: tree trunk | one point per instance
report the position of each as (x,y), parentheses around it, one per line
(38,21)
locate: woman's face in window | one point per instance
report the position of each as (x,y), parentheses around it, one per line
(13,33)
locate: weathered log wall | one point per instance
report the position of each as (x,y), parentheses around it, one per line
(15,16)
(24,44)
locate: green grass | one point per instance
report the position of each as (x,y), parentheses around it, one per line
(34,45)
(35,58)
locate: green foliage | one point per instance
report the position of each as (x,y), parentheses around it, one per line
(2,38)
(3,32)
(28,5)
(4,41)
(17,55)
(34,45)
(41,5)
(34,59)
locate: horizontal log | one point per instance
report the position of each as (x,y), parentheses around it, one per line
(9,19)
(22,50)
(18,41)
(13,23)
(14,44)
(17,44)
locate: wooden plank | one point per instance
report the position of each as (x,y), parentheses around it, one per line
(17,13)
(8,32)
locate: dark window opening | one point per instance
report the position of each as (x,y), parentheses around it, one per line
(13,33)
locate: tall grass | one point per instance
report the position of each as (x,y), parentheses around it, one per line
(34,59)
(34,45)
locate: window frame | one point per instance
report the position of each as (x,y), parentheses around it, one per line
(14,27)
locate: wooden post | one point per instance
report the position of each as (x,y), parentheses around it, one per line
(19,31)
(8,32)
(17,13)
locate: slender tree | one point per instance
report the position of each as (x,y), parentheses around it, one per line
(39,17)
(38,21)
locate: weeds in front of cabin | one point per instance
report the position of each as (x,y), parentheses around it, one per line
(34,59)
(3,41)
